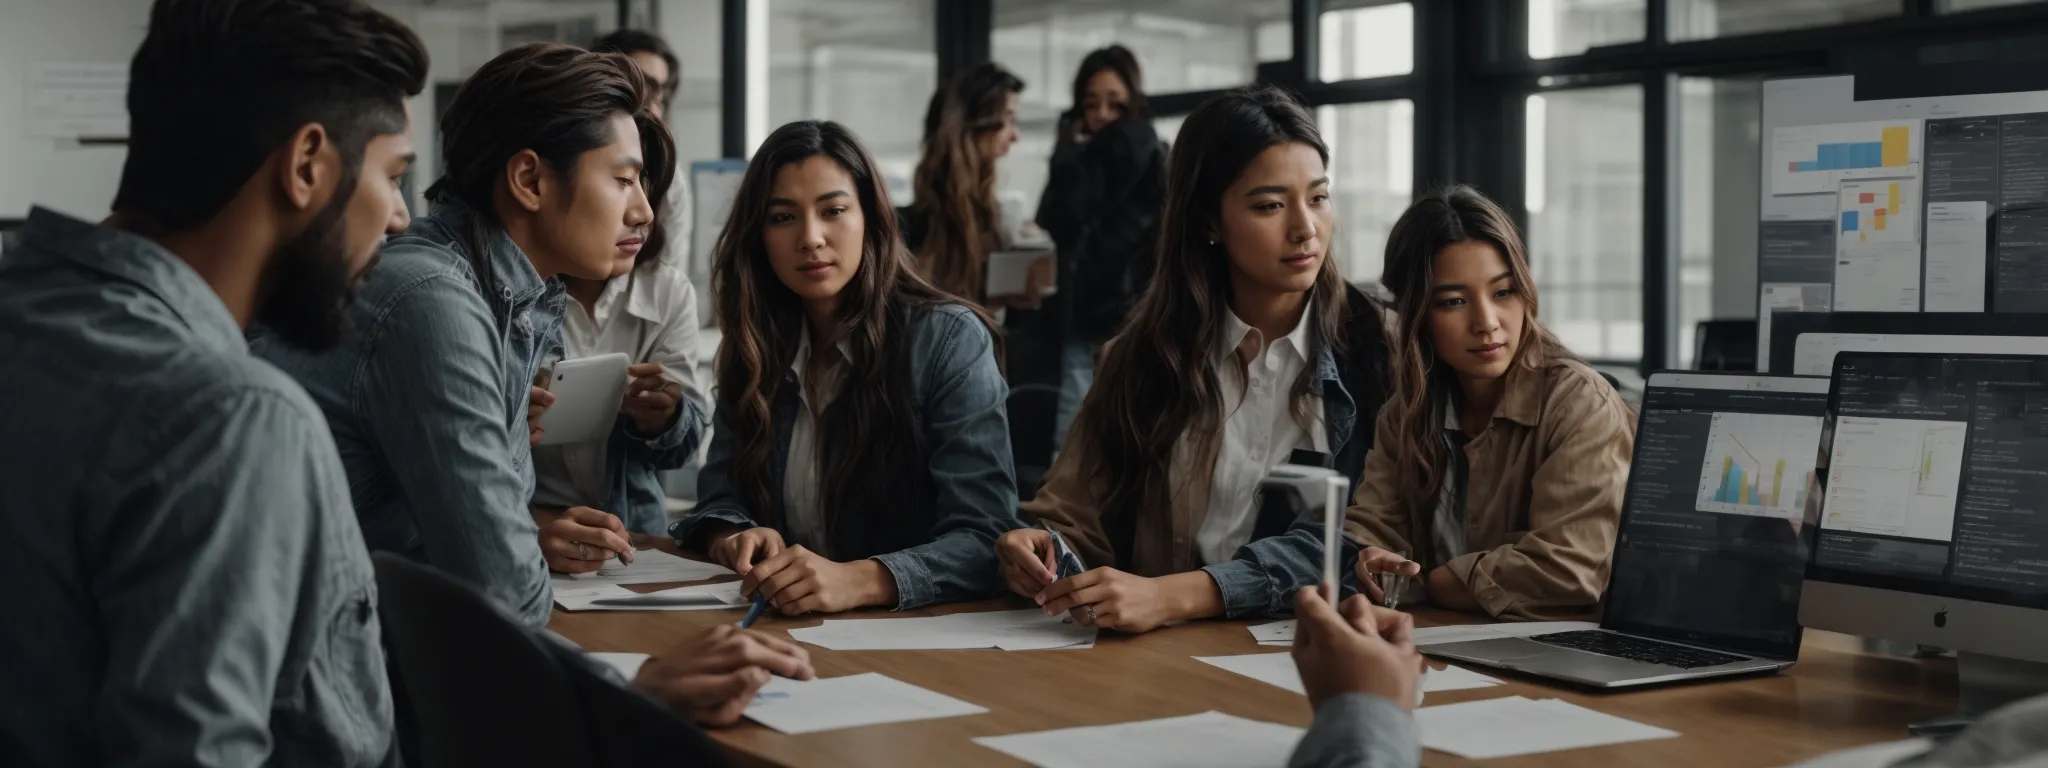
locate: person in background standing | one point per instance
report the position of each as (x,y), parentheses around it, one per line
(1103,196)
(954,222)
(658,62)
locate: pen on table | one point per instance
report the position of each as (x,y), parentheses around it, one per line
(754,613)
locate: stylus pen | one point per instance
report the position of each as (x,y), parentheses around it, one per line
(754,613)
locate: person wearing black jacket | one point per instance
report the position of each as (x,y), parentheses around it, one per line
(1103,197)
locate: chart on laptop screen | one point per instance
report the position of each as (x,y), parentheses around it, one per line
(1758,464)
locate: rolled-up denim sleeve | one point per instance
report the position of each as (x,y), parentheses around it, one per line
(432,396)
(716,500)
(1358,730)
(675,348)
(967,431)
(200,599)
(1262,578)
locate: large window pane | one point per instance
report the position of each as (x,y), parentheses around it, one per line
(691,28)
(1372,172)
(1369,41)
(1718,126)
(868,65)
(1569,27)
(1699,19)
(1183,45)
(1585,203)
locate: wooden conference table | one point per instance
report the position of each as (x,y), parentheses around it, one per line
(1836,696)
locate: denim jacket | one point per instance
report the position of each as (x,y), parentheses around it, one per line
(940,546)
(427,402)
(1286,550)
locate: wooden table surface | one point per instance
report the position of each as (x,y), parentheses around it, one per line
(1835,697)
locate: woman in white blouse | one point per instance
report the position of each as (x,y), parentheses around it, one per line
(648,311)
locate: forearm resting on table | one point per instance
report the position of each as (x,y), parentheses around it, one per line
(1447,591)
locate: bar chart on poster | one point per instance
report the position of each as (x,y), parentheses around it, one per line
(1815,159)
(1758,464)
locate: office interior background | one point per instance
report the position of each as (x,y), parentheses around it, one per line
(1622,133)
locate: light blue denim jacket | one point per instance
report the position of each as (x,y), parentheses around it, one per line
(428,400)
(187,583)
(965,484)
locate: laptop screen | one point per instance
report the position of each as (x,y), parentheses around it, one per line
(1709,550)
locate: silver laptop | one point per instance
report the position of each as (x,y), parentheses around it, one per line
(1708,558)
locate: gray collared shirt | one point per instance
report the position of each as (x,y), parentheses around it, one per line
(428,400)
(189,585)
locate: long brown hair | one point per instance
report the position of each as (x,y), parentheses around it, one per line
(557,100)
(1423,385)
(872,427)
(955,185)
(1158,381)
(1117,60)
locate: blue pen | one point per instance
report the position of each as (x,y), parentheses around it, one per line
(754,613)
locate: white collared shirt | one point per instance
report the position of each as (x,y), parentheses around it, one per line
(805,521)
(651,316)
(1259,430)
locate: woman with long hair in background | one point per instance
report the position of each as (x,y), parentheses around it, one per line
(954,222)
(860,454)
(1502,458)
(1254,353)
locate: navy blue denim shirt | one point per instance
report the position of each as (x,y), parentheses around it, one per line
(427,402)
(633,465)
(965,485)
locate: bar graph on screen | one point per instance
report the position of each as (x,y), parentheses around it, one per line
(1814,159)
(1758,464)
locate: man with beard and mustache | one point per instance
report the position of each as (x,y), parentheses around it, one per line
(190,581)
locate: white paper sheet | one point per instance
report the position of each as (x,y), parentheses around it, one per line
(627,664)
(1021,630)
(1278,669)
(612,597)
(1878,277)
(1956,255)
(650,566)
(826,704)
(1512,725)
(1276,633)
(1459,633)
(1207,740)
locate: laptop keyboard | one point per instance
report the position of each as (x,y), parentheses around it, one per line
(1636,649)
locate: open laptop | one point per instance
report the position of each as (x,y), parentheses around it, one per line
(1708,559)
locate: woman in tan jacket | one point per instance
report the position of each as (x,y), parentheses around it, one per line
(1501,456)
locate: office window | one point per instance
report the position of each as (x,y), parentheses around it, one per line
(868,65)
(1369,41)
(1372,172)
(1719,162)
(1570,27)
(1701,19)
(1585,202)
(1959,6)
(691,28)
(1183,45)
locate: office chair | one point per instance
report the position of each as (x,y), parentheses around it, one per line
(473,687)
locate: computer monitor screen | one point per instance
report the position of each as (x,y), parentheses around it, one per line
(1709,549)
(1936,477)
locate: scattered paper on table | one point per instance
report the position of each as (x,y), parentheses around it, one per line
(1021,630)
(1210,739)
(650,566)
(795,707)
(627,664)
(1278,669)
(1513,725)
(1459,633)
(1276,633)
(580,596)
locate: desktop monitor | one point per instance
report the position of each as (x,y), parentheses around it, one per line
(1709,551)
(1931,520)
(1804,343)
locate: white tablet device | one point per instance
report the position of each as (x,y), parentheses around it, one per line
(588,392)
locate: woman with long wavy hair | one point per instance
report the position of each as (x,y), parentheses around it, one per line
(1482,391)
(1250,351)
(860,453)
(954,222)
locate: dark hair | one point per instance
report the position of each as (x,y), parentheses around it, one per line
(631,41)
(218,84)
(557,100)
(1158,382)
(872,428)
(954,184)
(1116,59)
(1422,385)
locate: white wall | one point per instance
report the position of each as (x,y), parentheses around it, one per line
(58,173)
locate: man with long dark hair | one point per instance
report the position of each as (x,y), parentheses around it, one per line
(191,585)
